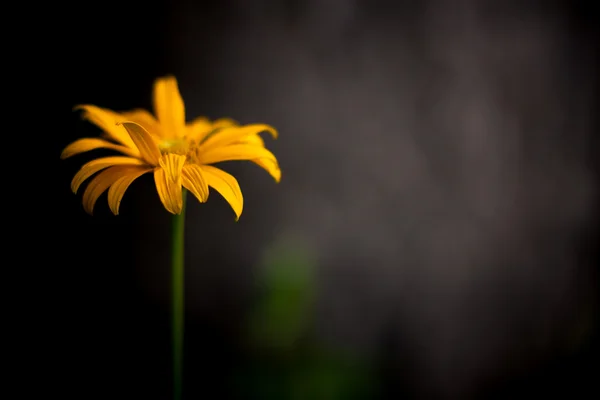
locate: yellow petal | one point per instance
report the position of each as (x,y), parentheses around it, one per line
(204,128)
(100,183)
(198,129)
(234,152)
(148,148)
(107,121)
(169,107)
(227,186)
(254,140)
(88,144)
(272,167)
(193,180)
(99,164)
(232,135)
(117,189)
(145,119)
(224,123)
(168,182)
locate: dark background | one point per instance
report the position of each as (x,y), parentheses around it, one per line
(463,267)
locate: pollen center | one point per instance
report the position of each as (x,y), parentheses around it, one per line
(180,147)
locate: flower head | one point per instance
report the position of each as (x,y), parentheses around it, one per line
(176,152)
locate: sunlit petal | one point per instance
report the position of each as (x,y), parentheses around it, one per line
(107,121)
(169,107)
(193,180)
(227,186)
(117,189)
(87,144)
(99,164)
(168,182)
(148,148)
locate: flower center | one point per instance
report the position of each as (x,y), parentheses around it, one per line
(181,147)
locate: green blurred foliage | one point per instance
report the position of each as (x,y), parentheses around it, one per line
(283,312)
(285,360)
(307,373)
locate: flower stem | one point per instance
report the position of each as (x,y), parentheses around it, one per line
(177,297)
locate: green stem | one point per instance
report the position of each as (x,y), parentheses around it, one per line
(177,297)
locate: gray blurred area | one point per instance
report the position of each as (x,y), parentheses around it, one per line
(435,158)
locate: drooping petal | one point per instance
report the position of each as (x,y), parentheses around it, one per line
(99,164)
(148,148)
(272,167)
(169,107)
(227,186)
(232,135)
(100,183)
(198,129)
(117,189)
(88,144)
(234,152)
(145,119)
(168,182)
(193,180)
(107,121)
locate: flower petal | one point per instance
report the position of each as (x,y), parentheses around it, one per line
(100,183)
(145,119)
(227,186)
(88,144)
(234,152)
(168,182)
(224,123)
(117,189)
(198,129)
(271,166)
(232,135)
(169,107)
(193,180)
(99,164)
(107,121)
(254,140)
(201,128)
(148,148)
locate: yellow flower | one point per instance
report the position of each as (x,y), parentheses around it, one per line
(176,153)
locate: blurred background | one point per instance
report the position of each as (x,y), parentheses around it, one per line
(434,233)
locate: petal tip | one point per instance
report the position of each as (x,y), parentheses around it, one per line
(274,133)
(114,208)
